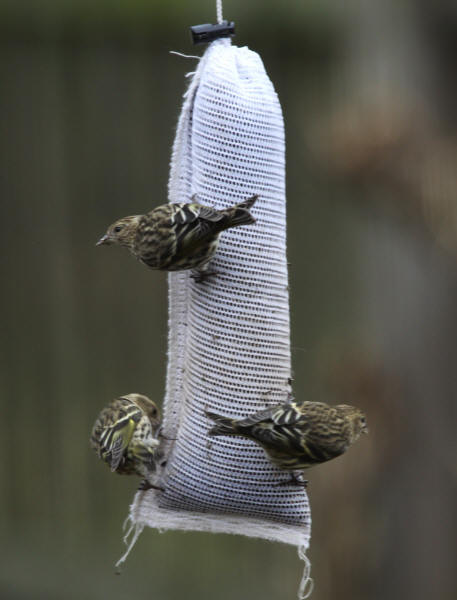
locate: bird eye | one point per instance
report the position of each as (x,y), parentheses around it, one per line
(117,228)
(363,420)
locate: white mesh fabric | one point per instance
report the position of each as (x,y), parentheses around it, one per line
(229,348)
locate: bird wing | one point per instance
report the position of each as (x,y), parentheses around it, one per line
(274,427)
(288,414)
(307,429)
(206,213)
(278,415)
(265,415)
(198,223)
(115,439)
(283,430)
(189,213)
(120,443)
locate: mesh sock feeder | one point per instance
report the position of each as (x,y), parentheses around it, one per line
(229,337)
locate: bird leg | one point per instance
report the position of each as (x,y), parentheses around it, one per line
(160,434)
(200,276)
(145,486)
(290,398)
(296,479)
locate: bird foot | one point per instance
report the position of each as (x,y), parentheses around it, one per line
(296,480)
(290,398)
(202,276)
(160,434)
(145,486)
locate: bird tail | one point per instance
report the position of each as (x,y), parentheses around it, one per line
(224,426)
(239,214)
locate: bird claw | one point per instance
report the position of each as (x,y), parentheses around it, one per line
(145,486)
(290,398)
(202,276)
(296,480)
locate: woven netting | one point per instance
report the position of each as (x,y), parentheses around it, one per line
(229,347)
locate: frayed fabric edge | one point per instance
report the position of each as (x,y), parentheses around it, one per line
(131,536)
(145,511)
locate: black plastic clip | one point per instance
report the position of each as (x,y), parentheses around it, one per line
(203,34)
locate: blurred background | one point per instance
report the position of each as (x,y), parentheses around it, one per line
(88,106)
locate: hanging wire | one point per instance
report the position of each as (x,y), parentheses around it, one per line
(219,11)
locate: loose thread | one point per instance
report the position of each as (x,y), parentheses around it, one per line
(184,55)
(306,584)
(134,531)
(191,73)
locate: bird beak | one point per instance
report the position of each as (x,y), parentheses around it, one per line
(102,240)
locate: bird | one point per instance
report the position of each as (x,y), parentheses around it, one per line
(297,435)
(125,436)
(178,236)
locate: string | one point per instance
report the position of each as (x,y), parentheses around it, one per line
(184,55)
(219,11)
(306,584)
(130,538)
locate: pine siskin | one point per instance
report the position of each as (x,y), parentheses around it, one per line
(175,237)
(125,436)
(298,435)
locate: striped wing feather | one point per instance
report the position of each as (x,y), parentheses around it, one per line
(115,438)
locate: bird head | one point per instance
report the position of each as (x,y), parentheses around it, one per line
(357,420)
(148,406)
(121,232)
(360,422)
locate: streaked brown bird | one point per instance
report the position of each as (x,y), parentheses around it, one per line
(297,435)
(125,436)
(174,237)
